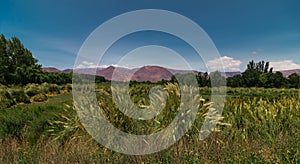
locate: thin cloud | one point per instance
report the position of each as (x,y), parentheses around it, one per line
(229,64)
(284,65)
(254,52)
(86,64)
(115,65)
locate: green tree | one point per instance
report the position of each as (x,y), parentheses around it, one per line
(99,79)
(257,74)
(203,79)
(261,66)
(217,79)
(294,80)
(4,61)
(277,80)
(251,78)
(235,81)
(264,79)
(17,65)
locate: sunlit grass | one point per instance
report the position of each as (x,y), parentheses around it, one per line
(257,126)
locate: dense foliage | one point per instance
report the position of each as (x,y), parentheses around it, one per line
(256,75)
(260,75)
(18,66)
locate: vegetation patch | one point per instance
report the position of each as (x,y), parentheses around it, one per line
(19,95)
(254,128)
(6,100)
(39,97)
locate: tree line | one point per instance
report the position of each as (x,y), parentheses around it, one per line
(256,75)
(19,67)
(260,75)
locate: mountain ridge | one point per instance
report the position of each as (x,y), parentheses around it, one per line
(145,73)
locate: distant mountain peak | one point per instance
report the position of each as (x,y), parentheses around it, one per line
(51,70)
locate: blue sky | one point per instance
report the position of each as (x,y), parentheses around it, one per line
(260,30)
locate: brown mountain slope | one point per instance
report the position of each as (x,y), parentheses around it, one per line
(152,73)
(51,70)
(286,73)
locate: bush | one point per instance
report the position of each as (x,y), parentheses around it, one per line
(19,95)
(50,88)
(68,87)
(39,97)
(54,88)
(6,100)
(32,89)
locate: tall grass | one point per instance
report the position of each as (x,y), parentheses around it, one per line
(257,126)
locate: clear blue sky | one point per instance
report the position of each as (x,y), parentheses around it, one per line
(241,30)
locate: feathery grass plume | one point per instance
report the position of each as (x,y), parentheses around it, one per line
(68,126)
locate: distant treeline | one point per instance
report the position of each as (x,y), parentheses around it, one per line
(256,75)
(19,67)
(260,75)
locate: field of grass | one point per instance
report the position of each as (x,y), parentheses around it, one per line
(257,126)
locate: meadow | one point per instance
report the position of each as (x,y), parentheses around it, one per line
(257,126)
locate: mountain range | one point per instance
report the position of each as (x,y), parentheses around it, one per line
(145,73)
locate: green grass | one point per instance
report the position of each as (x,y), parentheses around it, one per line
(53,101)
(30,121)
(264,128)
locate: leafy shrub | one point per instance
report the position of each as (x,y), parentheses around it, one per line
(45,87)
(19,95)
(50,88)
(39,97)
(54,89)
(68,87)
(6,100)
(32,89)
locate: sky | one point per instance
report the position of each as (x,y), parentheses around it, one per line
(54,32)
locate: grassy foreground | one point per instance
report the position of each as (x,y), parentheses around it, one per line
(259,126)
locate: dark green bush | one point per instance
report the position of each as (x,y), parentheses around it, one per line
(32,89)
(19,95)
(6,100)
(50,88)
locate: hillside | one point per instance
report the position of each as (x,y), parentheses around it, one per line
(286,73)
(146,73)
